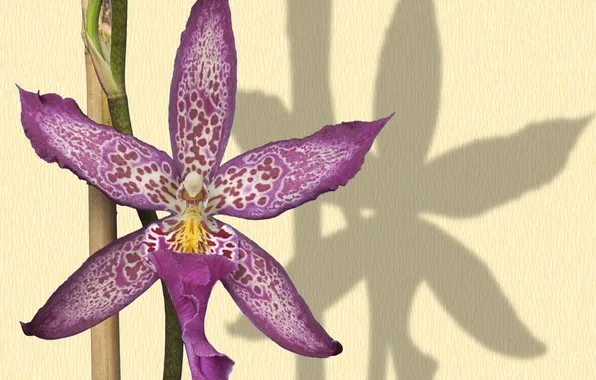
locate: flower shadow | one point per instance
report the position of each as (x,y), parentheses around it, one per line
(395,250)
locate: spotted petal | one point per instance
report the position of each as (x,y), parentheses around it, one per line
(266,295)
(126,169)
(109,280)
(203,90)
(189,279)
(276,177)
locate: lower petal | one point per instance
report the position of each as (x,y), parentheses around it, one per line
(189,279)
(266,295)
(109,280)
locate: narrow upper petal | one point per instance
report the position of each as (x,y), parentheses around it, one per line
(276,177)
(189,279)
(126,169)
(109,280)
(203,90)
(266,295)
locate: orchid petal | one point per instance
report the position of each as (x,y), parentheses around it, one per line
(127,170)
(179,234)
(189,279)
(279,176)
(109,280)
(266,295)
(203,90)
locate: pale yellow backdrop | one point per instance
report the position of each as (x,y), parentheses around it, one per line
(465,249)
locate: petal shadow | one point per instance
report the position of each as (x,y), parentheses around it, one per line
(488,173)
(469,292)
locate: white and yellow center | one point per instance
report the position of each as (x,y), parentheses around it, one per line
(190,235)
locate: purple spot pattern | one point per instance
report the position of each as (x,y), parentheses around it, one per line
(109,280)
(202,97)
(266,295)
(126,169)
(168,233)
(266,181)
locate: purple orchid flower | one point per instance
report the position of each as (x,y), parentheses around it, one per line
(193,187)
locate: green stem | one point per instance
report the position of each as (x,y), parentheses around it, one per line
(119,113)
(172,361)
(118,43)
(120,116)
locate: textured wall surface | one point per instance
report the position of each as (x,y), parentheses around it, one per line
(464,249)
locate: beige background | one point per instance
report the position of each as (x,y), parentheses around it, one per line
(466,244)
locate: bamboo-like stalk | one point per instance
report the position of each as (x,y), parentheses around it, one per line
(105,340)
(112,30)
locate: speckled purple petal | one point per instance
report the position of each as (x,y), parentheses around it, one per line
(189,279)
(269,180)
(109,280)
(266,295)
(203,90)
(126,169)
